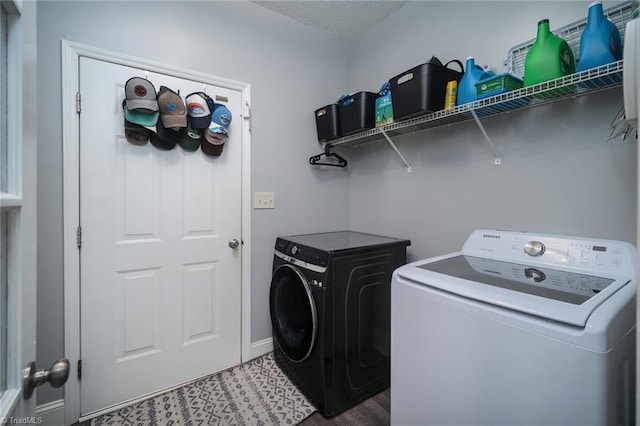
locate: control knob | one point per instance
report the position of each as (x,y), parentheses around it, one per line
(534,248)
(536,275)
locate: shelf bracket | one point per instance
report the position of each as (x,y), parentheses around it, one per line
(404,160)
(496,158)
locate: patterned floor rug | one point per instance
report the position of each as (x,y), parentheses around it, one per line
(254,393)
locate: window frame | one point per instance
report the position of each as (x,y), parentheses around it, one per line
(3,96)
(11,205)
(12,197)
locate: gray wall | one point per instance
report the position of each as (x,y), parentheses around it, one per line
(291,69)
(558,173)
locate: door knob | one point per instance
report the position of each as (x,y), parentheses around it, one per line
(234,244)
(57,376)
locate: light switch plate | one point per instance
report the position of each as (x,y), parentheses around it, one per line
(264,200)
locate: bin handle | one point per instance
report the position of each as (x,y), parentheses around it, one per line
(456,62)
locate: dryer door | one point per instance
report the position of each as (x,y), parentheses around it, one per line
(293,312)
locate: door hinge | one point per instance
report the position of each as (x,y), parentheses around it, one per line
(79,368)
(78,102)
(79,236)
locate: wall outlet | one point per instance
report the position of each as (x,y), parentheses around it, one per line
(264,200)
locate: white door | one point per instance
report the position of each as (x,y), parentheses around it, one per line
(160,284)
(18,209)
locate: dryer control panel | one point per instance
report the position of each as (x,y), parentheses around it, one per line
(301,252)
(587,254)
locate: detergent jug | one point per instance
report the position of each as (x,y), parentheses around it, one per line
(550,57)
(600,42)
(473,73)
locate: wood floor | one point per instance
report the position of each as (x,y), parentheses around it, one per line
(374,411)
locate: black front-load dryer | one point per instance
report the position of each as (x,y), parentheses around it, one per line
(330,304)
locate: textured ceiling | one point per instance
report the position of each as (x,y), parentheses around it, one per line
(345,19)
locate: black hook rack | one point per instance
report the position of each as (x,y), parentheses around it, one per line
(315,160)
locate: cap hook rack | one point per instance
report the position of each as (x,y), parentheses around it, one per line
(315,160)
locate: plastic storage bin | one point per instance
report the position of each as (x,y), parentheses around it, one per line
(357,112)
(328,123)
(422,89)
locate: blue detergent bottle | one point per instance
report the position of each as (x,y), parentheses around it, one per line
(600,42)
(473,73)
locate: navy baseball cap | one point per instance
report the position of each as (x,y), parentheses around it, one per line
(199,109)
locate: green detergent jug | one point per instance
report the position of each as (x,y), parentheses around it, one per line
(550,57)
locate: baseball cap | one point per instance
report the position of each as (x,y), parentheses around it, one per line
(173,113)
(217,133)
(199,108)
(135,133)
(160,143)
(141,95)
(190,138)
(213,143)
(169,135)
(140,135)
(221,116)
(141,118)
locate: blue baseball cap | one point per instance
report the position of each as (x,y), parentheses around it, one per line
(217,133)
(220,120)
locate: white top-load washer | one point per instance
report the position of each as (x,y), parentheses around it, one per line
(516,329)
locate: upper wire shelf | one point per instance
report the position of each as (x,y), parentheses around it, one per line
(619,15)
(589,81)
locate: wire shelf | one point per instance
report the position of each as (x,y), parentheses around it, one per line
(589,81)
(619,14)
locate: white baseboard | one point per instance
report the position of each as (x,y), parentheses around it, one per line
(261,347)
(52,413)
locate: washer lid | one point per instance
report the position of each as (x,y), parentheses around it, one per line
(564,286)
(568,296)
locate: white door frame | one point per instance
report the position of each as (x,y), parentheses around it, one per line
(71,52)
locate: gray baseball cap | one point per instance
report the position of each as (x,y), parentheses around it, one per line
(141,95)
